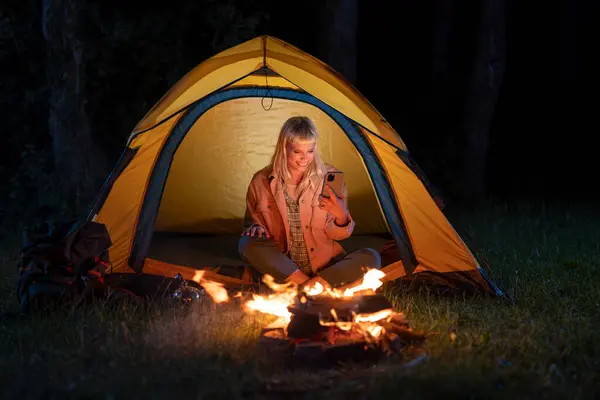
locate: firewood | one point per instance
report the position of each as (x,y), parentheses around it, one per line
(316,337)
(403,331)
(373,304)
(324,312)
(273,335)
(399,318)
(305,325)
(343,308)
(327,302)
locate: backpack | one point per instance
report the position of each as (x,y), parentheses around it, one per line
(62,265)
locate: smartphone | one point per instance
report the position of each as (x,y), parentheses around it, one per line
(336,181)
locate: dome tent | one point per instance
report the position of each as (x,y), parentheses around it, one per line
(176,199)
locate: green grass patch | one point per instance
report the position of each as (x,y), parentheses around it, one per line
(544,345)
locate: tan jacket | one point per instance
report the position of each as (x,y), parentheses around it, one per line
(265,205)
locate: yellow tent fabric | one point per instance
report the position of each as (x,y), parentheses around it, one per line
(436,244)
(122,206)
(286,60)
(208,174)
(251,137)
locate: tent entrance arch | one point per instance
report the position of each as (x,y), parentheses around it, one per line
(199,181)
(162,184)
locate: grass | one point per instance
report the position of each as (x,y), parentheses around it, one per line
(542,346)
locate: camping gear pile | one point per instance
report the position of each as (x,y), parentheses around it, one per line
(62,265)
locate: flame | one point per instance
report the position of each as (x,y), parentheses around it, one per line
(374,330)
(198,276)
(314,290)
(361,323)
(214,289)
(371,280)
(374,317)
(276,303)
(286,295)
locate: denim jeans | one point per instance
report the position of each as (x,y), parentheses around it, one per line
(263,255)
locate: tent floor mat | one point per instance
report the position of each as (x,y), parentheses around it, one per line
(198,251)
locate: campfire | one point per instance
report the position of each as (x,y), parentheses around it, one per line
(324,326)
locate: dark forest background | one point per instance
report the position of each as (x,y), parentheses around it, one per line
(492,98)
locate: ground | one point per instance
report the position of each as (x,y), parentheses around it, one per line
(542,345)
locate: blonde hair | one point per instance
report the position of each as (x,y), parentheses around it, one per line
(294,130)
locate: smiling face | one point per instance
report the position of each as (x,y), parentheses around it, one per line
(300,155)
(296,155)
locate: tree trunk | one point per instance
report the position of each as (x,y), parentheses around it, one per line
(79,164)
(339,22)
(482,96)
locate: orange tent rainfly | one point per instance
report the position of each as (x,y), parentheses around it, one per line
(176,198)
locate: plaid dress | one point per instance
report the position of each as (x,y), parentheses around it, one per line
(298,253)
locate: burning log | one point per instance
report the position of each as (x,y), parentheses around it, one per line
(343,306)
(312,315)
(405,333)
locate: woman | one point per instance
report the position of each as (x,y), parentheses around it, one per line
(290,229)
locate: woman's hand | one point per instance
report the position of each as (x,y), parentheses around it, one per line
(334,205)
(256,231)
